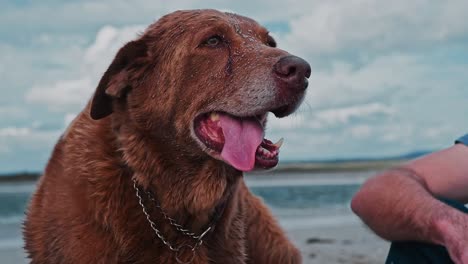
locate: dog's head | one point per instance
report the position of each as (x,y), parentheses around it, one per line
(202,82)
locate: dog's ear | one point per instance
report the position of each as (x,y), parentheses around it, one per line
(115,80)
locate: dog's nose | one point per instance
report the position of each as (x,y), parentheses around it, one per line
(294,71)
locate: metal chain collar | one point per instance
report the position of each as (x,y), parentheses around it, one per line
(179,249)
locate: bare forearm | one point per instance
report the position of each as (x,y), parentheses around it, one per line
(398,206)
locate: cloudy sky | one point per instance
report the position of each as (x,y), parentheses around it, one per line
(388,77)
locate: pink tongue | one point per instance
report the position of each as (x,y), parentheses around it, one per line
(241,140)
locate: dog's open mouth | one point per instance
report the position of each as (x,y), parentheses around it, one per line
(239,141)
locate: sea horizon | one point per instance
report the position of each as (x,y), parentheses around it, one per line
(299,165)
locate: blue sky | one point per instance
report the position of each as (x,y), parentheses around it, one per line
(388,77)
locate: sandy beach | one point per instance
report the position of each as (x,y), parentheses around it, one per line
(332,243)
(317,217)
(333,236)
(323,240)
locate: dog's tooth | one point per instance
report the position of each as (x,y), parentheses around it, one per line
(214,116)
(263,151)
(279,143)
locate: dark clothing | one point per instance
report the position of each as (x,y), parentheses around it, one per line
(462,140)
(409,252)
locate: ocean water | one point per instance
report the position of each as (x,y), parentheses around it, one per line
(13,200)
(297,200)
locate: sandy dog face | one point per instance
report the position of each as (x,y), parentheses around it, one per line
(200,84)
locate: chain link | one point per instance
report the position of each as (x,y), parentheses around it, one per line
(172,222)
(177,226)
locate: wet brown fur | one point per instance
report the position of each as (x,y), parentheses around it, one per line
(85,209)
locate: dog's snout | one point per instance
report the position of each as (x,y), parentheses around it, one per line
(293,71)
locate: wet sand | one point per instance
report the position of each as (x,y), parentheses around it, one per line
(321,241)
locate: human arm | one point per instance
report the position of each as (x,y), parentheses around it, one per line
(400,204)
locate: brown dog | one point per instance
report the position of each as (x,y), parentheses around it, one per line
(159,151)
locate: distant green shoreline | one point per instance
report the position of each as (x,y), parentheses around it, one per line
(323,167)
(286,167)
(19,177)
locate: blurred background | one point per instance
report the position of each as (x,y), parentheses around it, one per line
(389,83)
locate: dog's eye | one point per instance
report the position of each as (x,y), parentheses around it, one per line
(213,41)
(271,42)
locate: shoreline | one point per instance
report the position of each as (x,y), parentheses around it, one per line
(285,167)
(320,240)
(330,243)
(329,234)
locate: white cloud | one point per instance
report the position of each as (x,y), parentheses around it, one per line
(25,148)
(391,105)
(318,26)
(72,94)
(360,131)
(329,118)
(330,25)
(384,79)
(436,132)
(344,115)
(12,111)
(367,101)
(367,26)
(14,131)
(26,133)
(62,95)
(293,121)
(397,134)
(68,119)
(100,53)
(14,138)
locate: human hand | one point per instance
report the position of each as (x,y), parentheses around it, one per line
(454,234)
